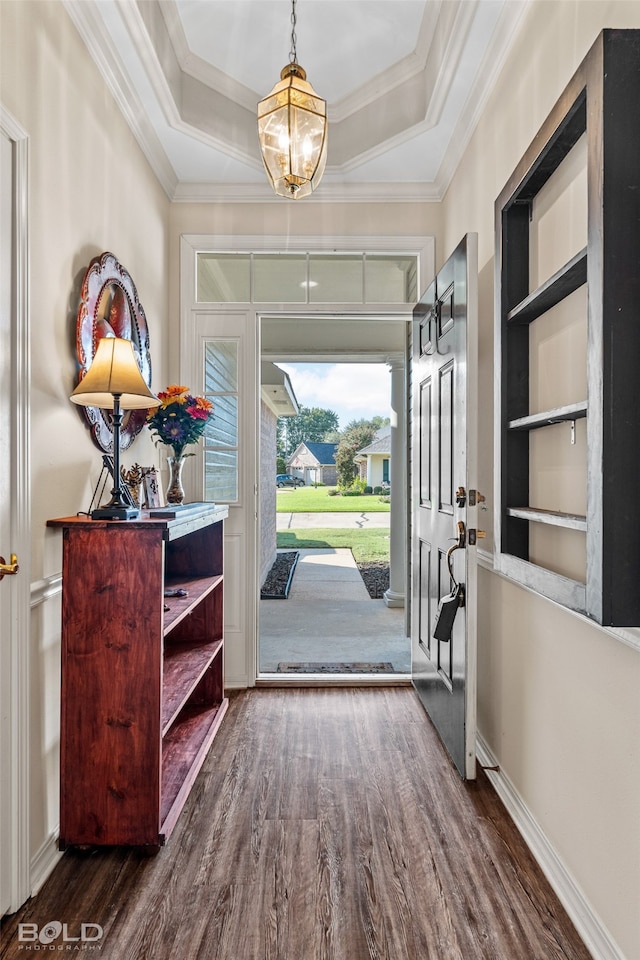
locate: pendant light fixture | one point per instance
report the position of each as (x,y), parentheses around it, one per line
(292,130)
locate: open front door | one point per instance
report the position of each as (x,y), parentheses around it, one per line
(445,503)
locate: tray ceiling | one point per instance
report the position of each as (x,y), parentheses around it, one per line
(404,80)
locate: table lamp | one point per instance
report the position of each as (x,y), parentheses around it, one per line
(114,382)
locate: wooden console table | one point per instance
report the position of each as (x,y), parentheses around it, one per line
(142,692)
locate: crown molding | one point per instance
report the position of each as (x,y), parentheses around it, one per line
(189,105)
(107,58)
(201,101)
(457,33)
(394,76)
(510,21)
(156,33)
(204,192)
(193,65)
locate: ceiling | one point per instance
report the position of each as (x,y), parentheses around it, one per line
(404,80)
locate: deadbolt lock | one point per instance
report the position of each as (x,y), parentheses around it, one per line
(475,535)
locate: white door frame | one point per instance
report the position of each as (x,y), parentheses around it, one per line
(16,632)
(190,244)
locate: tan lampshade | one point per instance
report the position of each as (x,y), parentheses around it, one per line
(114,370)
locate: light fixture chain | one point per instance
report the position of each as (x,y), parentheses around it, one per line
(293,53)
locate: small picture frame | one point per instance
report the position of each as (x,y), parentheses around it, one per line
(152,485)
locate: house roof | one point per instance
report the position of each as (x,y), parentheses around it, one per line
(323,453)
(381,443)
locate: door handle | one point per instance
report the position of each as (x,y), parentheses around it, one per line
(460,544)
(448,606)
(9,569)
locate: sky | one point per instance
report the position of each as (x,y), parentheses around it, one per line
(355,391)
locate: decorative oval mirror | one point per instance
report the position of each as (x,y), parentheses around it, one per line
(109,306)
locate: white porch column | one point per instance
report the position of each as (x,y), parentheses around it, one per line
(394,596)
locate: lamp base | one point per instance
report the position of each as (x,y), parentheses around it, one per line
(115,511)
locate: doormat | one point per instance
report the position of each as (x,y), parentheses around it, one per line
(359,666)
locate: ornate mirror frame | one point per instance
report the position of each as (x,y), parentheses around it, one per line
(109,306)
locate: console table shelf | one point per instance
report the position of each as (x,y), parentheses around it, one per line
(183,751)
(181,607)
(184,665)
(142,691)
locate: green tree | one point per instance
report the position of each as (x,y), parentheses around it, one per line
(312,423)
(355,436)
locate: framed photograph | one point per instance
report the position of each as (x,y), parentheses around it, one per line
(152,485)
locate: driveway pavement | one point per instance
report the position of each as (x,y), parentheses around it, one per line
(302,521)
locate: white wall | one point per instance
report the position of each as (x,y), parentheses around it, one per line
(90,190)
(559,698)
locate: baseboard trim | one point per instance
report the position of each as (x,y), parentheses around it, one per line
(594,934)
(44,861)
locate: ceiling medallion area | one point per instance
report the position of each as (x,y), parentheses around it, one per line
(110,307)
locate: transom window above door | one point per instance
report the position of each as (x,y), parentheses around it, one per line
(306,277)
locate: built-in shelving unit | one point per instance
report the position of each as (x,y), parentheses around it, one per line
(552,292)
(568,413)
(142,670)
(599,104)
(555,518)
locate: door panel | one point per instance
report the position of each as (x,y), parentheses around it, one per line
(425,445)
(220,358)
(444,443)
(6,541)
(15,851)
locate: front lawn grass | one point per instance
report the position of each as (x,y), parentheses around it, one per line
(366,545)
(317,500)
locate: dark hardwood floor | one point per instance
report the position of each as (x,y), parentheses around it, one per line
(326,824)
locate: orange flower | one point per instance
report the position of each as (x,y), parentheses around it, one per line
(173,394)
(181,418)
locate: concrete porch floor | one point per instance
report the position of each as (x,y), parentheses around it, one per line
(329,617)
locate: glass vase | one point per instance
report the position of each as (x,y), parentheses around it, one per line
(175,490)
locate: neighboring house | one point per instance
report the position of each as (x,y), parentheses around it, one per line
(277,399)
(373,460)
(314,462)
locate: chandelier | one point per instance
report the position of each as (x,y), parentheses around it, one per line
(292,130)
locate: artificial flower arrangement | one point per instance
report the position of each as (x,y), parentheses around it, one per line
(181,418)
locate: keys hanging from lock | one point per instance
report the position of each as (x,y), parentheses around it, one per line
(448,606)
(447,610)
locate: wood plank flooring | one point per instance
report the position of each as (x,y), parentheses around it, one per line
(326,824)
